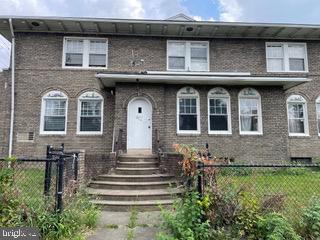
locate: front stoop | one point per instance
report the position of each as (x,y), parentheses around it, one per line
(136,182)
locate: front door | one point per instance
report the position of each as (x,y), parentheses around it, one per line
(139,125)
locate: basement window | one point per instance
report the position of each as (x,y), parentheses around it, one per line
(85,53)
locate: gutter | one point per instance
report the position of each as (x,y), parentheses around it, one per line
(12,86)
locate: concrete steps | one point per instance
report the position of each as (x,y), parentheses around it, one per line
(136,182)
(121,206)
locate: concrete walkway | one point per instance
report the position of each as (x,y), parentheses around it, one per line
(115,226)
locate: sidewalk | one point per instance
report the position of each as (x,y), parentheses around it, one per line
(115,226)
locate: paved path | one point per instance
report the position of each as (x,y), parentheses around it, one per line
(114,226)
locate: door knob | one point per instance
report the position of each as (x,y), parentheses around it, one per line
(149,127)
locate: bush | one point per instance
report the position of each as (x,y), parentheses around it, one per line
(274,226)
(78,216)
(311,221)
(186,223)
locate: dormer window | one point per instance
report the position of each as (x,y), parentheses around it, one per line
(85,53)
(187,56)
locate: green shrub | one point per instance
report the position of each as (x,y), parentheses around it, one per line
(311,221)
(236,171)
(186,223)
(11,208)
(274,226)
(78,215)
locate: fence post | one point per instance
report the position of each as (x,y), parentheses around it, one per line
(59,191)
(47,178)
(200,167)
(76,160)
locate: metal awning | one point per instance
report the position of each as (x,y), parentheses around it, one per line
(164,28)
(110,79)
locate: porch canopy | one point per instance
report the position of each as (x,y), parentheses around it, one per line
(210,78)
(172,27)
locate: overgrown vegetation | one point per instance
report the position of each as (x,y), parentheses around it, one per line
(244,203)
(78,216)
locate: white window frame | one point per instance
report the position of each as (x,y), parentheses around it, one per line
(318,117)
(305,115)
(188,56)
(224,95)
(43,110)
(285,46)
(257,96)
(197,97)
(80,99)
(86,52)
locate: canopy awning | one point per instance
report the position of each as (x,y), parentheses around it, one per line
(109,79)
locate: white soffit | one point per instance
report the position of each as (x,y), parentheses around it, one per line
(166,28)
(109,79)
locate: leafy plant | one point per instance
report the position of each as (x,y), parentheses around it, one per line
(274,226)
(186,223)
(311,221)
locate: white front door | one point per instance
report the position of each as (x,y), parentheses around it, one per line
(139,125)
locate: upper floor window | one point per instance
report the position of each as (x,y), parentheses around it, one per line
(54,113)
(90,113)
(250,113)
(187,56)
(85,53)
(297,115)
(219,111)
(286,57)
(318,114)
(188,112)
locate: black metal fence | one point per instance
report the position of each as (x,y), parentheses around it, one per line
(39,181)
(285,188)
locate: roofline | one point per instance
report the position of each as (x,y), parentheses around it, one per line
(168,22)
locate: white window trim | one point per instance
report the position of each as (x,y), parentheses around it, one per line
(79,115)
(186,132)
(229,131)
(286,57)
(42,132)
(260,126)
(188,56)
(306,121)
(85,53)
(317,102)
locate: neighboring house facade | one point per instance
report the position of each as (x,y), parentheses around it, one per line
(251,91)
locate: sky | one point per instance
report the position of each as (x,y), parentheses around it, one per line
(281,11)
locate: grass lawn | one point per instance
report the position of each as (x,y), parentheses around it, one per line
(30,184)
(298,186)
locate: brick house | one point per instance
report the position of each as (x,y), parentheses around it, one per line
(250,90)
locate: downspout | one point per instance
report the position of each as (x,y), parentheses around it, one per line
(12,87)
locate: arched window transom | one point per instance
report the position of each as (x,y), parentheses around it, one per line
(188,112)
(297,115)
(219,114)
(90,113)
(54,113)
(250,114)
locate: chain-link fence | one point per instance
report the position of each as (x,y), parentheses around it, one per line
(287,189)
(41,181)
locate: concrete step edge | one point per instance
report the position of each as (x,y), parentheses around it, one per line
(129,193)
(133,183)
(133,203)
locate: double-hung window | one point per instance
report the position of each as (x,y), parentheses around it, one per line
(90,113)
(219,117)
(85,53)
(318,113)
(188,119)
(187,56)
(297,116)
(286,57)
(54,113)
(250,115)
